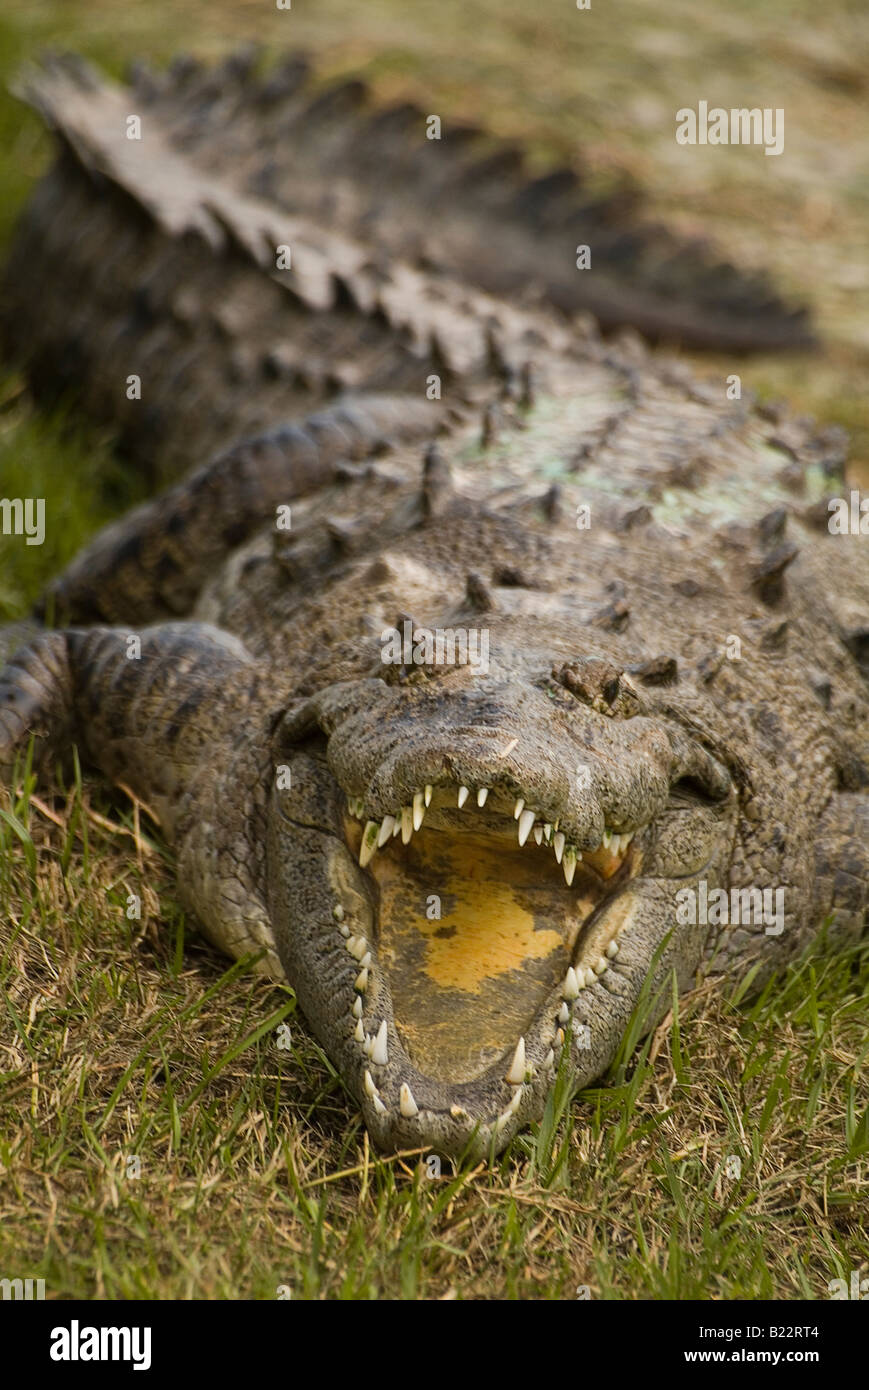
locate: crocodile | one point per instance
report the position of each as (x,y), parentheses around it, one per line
(377,218)
(484,716)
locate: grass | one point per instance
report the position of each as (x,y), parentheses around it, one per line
(125,1039)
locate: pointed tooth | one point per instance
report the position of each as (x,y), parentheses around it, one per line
(359,1031)
(606,839)
(370,1088)
(366,959)
(600,965)
(570,987)
(357,1007)
(559,1037)
(379,1050)
(516,1074)
(569,864)
(378,1105)
(396,829)
(526,821)
(418,809)
(428,793)
(518,808)
(547,833)
(515,1102)
(612,949)
(406,824)
(589,975)
(344,929)
(627,837)
(538,834)
(616,844)
(406,1102)
(369,843)
(549,1060)
(361,981)
(481,796)
(564,1014)
(558,845)
(463,796)
(386,829)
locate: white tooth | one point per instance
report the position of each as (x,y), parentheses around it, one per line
(600,965)
(612,949)
(366,1046)
(481,796)
(626,838)
(369,843)
(518,808)
(564,1014)
(607,839)
(338,912)
(549,1059)
(427,794)
(406,824)
(589,975)
(406,1102)
(463,796)
(351,805)
(370,1088)
(379,1053)
(361,981)
(418,809)
(547,833)
(396,829)
(360,947)
(569,864)
(366,959)
(344,929)
(559,1037)
(357,1007)
(570,988)
(558,845)
(386,830)
(378,1105)
(526,821)
(615,844)
(516,1074)
(359,1031)
(538,834)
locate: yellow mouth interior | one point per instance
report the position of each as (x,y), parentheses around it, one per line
(473,933)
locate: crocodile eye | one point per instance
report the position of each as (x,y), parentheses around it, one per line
(696,791)
(600,685)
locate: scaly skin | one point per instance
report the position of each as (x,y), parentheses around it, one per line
(396,242)
(447,970)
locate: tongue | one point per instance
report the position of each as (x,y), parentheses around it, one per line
(474,933)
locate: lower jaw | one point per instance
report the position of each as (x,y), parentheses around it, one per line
(345,991)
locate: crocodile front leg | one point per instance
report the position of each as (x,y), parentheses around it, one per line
(181,714)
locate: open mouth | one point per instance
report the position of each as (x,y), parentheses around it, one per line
(490,922)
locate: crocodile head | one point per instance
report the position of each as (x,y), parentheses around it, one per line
(473,872)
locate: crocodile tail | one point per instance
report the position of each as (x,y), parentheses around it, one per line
(204,312)
(466,202)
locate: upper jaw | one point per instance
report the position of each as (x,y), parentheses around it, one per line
(327,920)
